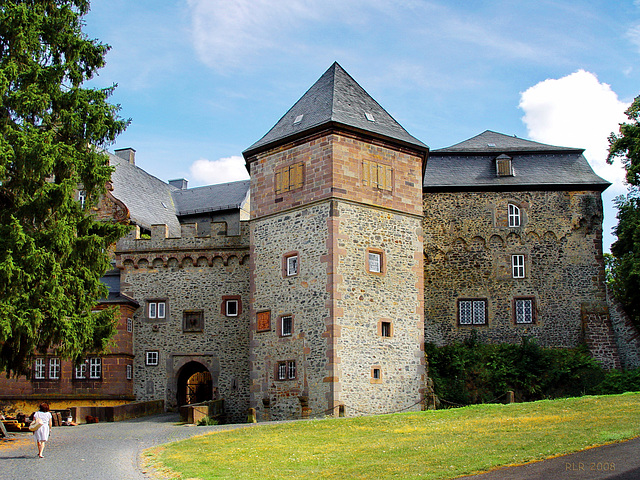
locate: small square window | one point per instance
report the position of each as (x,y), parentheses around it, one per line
(129,372)
(517,266)
(157,310)
(292,265)
(95,367)
(193,321)
(375,261)
(286,326)
(524,310)
(472,312)
(54,368)
(376,374)
(39,369)
(81,370)
(286,370)
(152,358)
(263,321)
(130,325)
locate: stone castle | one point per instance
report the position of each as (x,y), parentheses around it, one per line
(311,288)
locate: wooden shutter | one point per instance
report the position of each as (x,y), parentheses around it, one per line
(387,178)
(366,172)
(278,181)
(297,179)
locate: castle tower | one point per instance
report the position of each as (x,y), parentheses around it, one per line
(337,320)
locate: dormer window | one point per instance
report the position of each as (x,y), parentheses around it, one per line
(503,166)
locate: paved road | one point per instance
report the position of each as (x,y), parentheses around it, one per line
(104,451)
(110,451)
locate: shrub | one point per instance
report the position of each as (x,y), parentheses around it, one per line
(206,420)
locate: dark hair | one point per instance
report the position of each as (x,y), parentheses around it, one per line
(44,407)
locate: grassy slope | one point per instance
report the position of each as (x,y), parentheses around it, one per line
(434,444)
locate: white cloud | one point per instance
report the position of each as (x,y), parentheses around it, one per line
(209,172)
(579,111)
(576,111)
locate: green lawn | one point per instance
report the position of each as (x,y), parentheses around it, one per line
(433,444)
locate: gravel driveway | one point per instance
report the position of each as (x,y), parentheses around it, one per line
(103,451)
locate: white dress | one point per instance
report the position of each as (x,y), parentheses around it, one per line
(42,434)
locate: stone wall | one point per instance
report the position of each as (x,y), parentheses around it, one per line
(468,247)
(626,334)
(190,274)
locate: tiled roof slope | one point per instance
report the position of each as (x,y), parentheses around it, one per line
(148,198)
(470,165)
(225,196)
(335,99)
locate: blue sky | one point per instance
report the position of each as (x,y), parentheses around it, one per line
(202,80)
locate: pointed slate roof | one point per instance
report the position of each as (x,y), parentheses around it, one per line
(335,99)
(471,166)
(491,142)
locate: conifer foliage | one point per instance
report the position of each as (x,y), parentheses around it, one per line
(52,250)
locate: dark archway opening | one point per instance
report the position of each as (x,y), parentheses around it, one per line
(194,384)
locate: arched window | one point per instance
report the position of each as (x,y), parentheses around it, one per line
(514,216)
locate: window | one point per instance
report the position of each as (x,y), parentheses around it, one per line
(231,305)
(377,175)
(130,325)
(524,310)
(82,198)
(192,321)
(54,368)
(157,310)
(39,369)
(129,372)
(385,329)
(286,370)
(95,367)
(503,166)
(81,370)
(232,308)
(472,312)
(289,178)
(151,358)
(375,262)
(286,326)
(514,216)
(291,265)
(263,321)
(376,374)
(517,266)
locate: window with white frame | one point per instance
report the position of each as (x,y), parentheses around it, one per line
(375,262)
(130,325)
(286,370)
(524,310)
(292,265)
(472,311)
(54,368)
(517,266)
(156,309)
(231,308)
(39,369)
(514,215)
(95,367)
(152,357)
(81,370)
(286,326)
(82,198)
(129,372)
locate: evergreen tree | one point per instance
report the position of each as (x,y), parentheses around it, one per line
(625,267)
(52,250)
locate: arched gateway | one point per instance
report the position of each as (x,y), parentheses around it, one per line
(194,384)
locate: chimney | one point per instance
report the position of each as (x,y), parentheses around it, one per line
(180,183)
(129,154)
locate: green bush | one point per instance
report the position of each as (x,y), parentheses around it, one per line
(204,421)
(473,372)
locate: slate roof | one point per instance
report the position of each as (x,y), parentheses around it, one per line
(148,198)
(470,166)
(212,198)
(335,99)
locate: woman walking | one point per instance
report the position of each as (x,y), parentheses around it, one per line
(42,434)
